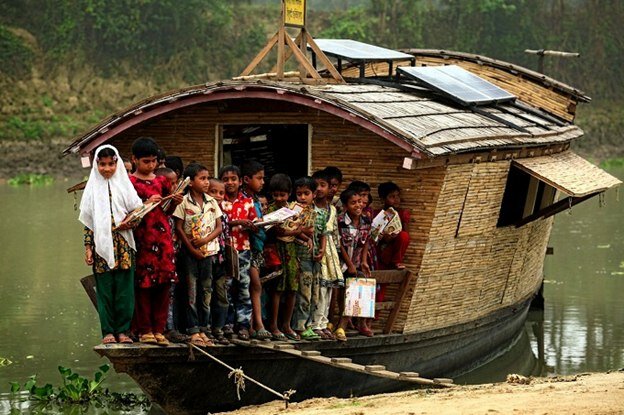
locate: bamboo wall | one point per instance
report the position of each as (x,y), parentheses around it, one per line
(470,267)
(462,261)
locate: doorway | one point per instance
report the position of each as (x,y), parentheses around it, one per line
(281,148)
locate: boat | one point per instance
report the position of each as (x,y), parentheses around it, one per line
(481,151)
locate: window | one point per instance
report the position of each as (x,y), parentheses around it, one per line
(525,195)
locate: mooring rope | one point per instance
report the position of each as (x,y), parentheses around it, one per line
(240,376)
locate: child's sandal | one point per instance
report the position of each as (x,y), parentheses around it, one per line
(109,339)
(161,340)
(124,339)
(340,335)
(147,338)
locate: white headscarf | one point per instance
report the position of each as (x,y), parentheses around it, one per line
(95,207)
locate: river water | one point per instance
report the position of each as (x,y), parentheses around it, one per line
(47,320)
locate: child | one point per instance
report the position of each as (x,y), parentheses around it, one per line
(364,190)
(331,274)
(313,228)
(155,264)
(354,239)
(108,197)
(264,204)
(392,248)
(173,318)
(253,181)
(176,164)
(241,214)
(221,281)
(335,180)
(288,283)
(198,225)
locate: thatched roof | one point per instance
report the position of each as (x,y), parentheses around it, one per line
(417,120)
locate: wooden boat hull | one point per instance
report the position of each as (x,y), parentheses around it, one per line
(185,384)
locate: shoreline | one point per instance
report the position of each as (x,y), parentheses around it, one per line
(585,393)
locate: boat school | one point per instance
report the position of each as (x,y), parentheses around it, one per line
(480,150)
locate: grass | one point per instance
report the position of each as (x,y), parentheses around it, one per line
(33,179)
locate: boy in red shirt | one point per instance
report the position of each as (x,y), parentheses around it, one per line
(241,212)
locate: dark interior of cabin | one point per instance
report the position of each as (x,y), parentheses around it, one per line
(281,148)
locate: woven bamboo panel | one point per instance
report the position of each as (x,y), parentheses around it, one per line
(569,173)
(470,267)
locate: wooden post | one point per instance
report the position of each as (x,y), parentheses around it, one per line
(541,53)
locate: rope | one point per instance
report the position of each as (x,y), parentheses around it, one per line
(240,376)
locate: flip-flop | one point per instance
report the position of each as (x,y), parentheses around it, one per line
(279,336)
(365,331)
(243,334)
(308,334)
(292,336)
(196,340)
(262,334)
(321,334)
(109,339)
(340,335)
(147,338)
(161,340)
(329,334)
(124,339)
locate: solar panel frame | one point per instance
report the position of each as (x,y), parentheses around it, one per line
(358,51)
(458,84)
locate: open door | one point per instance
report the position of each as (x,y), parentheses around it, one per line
(281,148)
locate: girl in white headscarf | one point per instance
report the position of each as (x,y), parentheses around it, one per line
(108,197)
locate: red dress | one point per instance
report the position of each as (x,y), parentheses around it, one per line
(155,259)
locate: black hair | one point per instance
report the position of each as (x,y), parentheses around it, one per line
(385,188)
(229,168)
(321,175)
(334,173)
(145,147)
(106,152)
(280,183)
(251,167)
(175,163)
(193,170)
(305,181)
(347,194)
(163,171)
(161,154)
(359,187)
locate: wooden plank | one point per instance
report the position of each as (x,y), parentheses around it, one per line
(340,360)
(374,368)
(281,41)
(302,59)
(325,60)
(261,55)
(409,374)
(398,300)
(88,283)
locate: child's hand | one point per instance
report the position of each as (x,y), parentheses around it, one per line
(177,198)
(154,198)
(366,269)
(351,269)
(197,254)
(198,242)
(310,244)
(124,226)
(88,255)
(318,257)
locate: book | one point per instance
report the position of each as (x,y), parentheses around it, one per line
(387,222)
(279,216)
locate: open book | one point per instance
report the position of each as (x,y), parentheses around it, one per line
(139,213)
(387,222)
(279,216)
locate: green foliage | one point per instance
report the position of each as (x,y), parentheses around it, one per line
(30,127)
(16,57)
(77,389)
(33,179)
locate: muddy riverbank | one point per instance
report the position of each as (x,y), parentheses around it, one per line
(595,393)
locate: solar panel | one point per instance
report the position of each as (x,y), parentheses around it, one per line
(358,51)
(458,84)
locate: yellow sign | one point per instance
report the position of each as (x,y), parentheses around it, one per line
(294,13)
